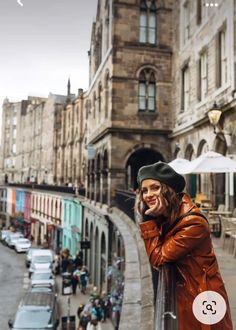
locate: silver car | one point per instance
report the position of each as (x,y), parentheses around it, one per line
(40,262)
(29,255)
(22,245)
(43,278)
(12,238)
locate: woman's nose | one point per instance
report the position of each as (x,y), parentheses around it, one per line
(149,193)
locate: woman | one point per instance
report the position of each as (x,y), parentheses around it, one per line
(175,231)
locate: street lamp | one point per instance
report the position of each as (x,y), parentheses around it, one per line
(214,115)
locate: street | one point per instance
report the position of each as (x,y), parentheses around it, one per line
(14,282)
(12,269)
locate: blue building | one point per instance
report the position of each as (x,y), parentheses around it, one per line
(72,225)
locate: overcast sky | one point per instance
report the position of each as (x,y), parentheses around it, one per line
(42,43)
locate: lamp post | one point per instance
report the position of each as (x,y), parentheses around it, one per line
(214,115)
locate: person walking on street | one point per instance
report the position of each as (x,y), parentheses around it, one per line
(75,280)
(83,279)
(175,231)
(94,324)
(78,261)
(84,319)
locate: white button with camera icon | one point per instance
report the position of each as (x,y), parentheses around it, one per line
(209,307)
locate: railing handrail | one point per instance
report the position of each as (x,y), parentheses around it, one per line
(166,316)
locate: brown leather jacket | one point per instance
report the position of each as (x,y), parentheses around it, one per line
(189,246)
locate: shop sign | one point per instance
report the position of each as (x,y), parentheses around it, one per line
(85,244)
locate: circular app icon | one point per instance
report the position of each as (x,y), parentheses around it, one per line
(209,307)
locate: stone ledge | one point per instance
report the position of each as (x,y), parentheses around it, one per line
(137,310)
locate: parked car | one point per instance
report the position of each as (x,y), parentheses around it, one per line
(12,238)
(40,262)
(43,288)
(3,235)
(22,245)
(36,311)
(36,252)
(43,277)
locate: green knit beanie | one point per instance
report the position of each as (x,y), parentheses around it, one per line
(164,173)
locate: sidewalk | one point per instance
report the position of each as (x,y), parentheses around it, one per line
(227,264)
(75,301)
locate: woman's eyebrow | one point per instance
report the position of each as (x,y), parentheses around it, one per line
(153,185)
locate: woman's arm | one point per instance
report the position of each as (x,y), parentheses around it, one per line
(188,234)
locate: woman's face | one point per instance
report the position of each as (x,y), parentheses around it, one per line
(151,191)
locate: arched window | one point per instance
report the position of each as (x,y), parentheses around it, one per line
(94,104)
(147,90)
(106,94)
(99,99)
(147,22)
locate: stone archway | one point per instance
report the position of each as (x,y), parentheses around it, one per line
(137,159)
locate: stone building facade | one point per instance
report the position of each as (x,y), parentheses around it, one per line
(203,73)
(128,102)
(21,137)
(68,130)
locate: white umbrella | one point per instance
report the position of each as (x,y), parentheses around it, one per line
(180,165)
(212,162)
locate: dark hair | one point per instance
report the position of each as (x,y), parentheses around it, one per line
(169,194)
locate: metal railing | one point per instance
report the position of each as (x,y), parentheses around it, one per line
(166,317)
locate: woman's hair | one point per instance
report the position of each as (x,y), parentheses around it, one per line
(169,194)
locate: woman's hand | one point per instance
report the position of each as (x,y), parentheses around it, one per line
(159,208)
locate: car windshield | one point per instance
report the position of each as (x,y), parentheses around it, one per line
(42,276)
(34,318)
(41,289)
(22,240)
(41,259)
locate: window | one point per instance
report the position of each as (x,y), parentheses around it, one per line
(203,77)
(106,95)
(221,58)
(14,133)
(185,88)
(147,91)
(147,22)
(14,148)
(199,11)
(186,22)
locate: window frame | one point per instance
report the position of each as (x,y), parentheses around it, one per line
(146,30)
(147,96)
(185,93)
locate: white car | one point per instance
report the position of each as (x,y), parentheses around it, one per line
(42,278)
(36,252)
(29,255)
(40,262)
(22,245)
(12,238)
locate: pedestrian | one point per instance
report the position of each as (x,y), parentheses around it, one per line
(75,280)
(83,279)
(78,261)
(56,264)
(84,319)
(94,324)
(65,262)
(175,231)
